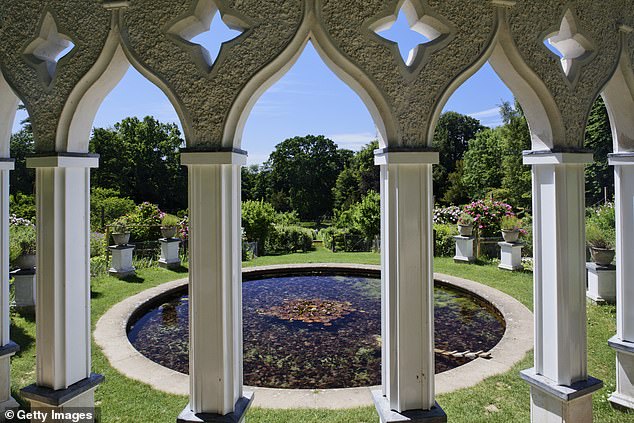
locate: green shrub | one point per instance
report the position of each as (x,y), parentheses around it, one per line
(257,221)
(22,240)
(348,239)
(287,218)
(444,246)
(510,223)
(97,244)
(145,222)
(289,239)
(120,226)
(106,206)
(170,221)
(597,237)
(22,205)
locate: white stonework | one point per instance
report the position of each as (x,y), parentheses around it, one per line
(601,283)
(121,266)
(24,288)
(169,253)
(405,100)
(464,249)
(511,256)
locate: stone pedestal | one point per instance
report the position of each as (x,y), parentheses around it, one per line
(464,249)
(560,403)
(24,282)
(121,261)
(169,253)
(623,397)
(601,283)
(78,395)
(511,256)
(6,400)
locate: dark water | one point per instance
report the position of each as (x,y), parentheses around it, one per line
(292,354)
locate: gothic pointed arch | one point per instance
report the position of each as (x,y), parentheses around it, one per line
(8,107)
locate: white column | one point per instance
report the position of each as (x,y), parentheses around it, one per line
(63,281)
(560,386)
(623,342)
(407,285)
(215,287)
(7,348)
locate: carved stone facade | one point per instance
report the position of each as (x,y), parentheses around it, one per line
(213,100)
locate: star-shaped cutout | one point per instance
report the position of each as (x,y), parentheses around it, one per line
(47,49)
(413,32)
(574,48)
(204,29)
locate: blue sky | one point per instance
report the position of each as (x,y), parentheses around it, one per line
(309,99)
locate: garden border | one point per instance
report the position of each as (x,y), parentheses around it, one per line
(110,334)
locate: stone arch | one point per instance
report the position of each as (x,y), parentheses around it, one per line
(619,100)
(540,109)
(353,76)
(79,113)
(8,107)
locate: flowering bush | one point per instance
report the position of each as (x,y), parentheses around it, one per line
(145,221)
(184,228)
(487,215)
(18,221)
(446,215)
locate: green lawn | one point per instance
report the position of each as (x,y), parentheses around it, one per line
(123,400)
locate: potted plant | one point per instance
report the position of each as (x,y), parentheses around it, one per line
(120,231)
(601,243)
(169,225)
(465,224)
(510,226)
(22,242)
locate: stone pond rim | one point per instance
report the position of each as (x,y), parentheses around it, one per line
(111,336)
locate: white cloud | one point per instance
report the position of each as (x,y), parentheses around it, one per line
(353,141)
(489,113)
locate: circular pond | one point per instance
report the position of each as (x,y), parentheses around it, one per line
(316,331)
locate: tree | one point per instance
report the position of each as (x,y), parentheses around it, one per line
(451,139)
(302,172)
(359,177)
(141,160)
(482,171)
(22,145)
(257,221)
(456,194)
(599,175)
(516,137)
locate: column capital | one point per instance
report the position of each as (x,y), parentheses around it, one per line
(116,4)
(391,156)
(7,163)
(555,157)
(209,158)
(621,159)
(63,160)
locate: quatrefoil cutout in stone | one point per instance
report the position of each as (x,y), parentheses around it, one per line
(187,28)
(47,49)
(574,48)
(430,30)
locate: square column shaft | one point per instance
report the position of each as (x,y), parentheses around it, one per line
(407,285)
(7,348)
(623,342)
(63,282)
(559,286)
(215,287)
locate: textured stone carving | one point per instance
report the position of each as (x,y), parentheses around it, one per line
(202,98)
(532,21)
(86,22)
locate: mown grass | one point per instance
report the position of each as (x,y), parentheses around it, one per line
(503,398)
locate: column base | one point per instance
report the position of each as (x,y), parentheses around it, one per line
(387,415)
(623,397)
(558,403)
(601,283)
(77,395)
(6,400)
(241,408)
